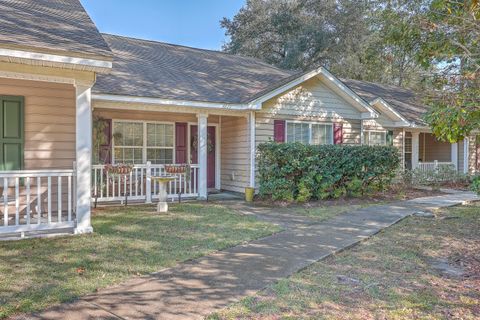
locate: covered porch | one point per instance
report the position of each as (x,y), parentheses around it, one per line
(422,151)
(211,147)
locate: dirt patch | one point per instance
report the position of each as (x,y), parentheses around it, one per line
(394,193)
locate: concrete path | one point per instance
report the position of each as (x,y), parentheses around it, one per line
(197,288)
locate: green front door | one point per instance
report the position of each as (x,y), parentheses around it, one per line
(11,133)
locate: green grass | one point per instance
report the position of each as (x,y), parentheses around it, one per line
(131,241)
(390,276)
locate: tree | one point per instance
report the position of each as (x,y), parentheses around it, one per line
(360,39)
(452,44)
(296,34)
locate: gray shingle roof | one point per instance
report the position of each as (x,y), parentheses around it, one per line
(404,101)
(155,69)
(59,25)
(159,70)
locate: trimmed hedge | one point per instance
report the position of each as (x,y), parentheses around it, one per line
(294,171)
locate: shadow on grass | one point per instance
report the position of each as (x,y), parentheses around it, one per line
(390,276)
(127,241)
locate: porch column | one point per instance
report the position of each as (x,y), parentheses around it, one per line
(202,155)
(83,125)
(251,122)
(415,149)
(454,153)
(466,155)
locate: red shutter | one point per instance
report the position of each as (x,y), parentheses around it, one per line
(105,151)
(181,142)
(279,130)
(338,133)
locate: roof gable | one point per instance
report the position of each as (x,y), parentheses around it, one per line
(311,99)
(404,101)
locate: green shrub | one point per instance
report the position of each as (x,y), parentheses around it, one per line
(476,185)
(294,171)
(443,175)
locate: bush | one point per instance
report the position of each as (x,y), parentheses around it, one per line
(476,185)
(445,175)
(294,171)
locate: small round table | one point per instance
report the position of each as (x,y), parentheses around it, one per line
(163,181)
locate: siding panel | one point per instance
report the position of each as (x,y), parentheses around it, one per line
(49,122)
(235,153)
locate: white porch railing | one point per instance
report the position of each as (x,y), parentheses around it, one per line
(36,200)
(139,184)
(433,166)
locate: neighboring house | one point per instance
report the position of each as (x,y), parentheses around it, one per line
(163,104)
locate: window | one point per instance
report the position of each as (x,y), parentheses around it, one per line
(298,132)
(137,142)
(309,133)
(159,143)
(322,134)
(375,138)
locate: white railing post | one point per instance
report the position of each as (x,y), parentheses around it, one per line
(83,136)
(148,186)
(435,165)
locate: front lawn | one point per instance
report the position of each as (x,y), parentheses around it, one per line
(421,268)
(127,242)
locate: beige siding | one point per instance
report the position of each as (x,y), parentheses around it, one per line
(382,123)
(398,143)
(235,153)
(49,122)
(311,101)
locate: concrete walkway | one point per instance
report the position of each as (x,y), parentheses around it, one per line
(194,289)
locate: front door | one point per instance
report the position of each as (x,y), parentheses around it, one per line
(210,152)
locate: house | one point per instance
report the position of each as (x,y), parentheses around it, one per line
(161,104)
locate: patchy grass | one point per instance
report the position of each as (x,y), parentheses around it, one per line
(129,241)
(326,209)
(393,275)
(322,213)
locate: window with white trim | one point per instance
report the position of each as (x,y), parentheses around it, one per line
(375,138)
(322,134)
(309,133)
(159,143)
(139,142)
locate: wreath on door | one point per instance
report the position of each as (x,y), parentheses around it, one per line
(195,144)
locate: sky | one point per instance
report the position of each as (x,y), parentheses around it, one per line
(194,23)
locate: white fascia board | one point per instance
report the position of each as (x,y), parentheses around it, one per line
(382,104)
(368,116)
(174,102)
(53,58)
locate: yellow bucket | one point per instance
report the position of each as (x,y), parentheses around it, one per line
(249,192)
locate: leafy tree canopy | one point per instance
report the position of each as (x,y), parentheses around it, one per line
(427,45)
